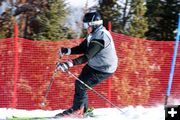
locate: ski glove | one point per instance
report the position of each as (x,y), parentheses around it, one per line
(64,51)
(65,66)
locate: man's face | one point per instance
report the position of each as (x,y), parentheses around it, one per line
(89,29)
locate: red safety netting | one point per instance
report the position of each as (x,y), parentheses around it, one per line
(141,78)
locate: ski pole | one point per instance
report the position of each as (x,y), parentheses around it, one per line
(50,84)
(97,93)
(48,88)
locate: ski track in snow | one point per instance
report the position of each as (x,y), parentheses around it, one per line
(129,113)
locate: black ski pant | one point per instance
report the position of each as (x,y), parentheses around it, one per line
(91,77)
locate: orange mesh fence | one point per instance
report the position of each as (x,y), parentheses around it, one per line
(141,78)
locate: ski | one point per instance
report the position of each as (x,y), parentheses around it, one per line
(88,115)
(33,118)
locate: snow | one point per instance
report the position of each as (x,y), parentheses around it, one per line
(156,112)
(76,9)
(129,113)
(2,8)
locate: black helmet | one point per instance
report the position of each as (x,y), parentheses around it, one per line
(92,19)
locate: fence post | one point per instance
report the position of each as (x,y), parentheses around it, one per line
(171,75)
(110,80)
(109,26)
(15,51)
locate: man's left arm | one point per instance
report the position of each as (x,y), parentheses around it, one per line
(95,47)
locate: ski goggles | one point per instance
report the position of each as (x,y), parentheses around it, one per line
(89,24)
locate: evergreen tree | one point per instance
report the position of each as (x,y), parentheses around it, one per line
(6,24)
(163,18)
(110,11)
(40,19)
(128,17)
(139,24)
(51,22)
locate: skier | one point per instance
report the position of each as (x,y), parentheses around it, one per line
(100,55)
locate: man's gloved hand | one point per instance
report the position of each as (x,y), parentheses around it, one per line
(65,66)
(64,51)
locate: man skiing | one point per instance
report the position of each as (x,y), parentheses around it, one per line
(100,55)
